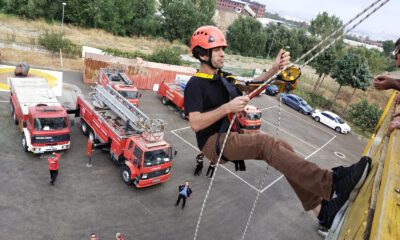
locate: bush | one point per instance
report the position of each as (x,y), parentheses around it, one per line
(54,41)
(166,55)
(119,53)
(160,55)
(364,115)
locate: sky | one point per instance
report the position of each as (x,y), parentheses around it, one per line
(382,25)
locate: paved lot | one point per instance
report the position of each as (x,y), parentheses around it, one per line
(86,200)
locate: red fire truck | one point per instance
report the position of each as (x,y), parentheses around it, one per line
(172,92)
(249,119)
(121,83)
(42,120)
(136,142)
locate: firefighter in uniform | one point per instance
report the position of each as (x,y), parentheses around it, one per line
(210,96)
(53,166)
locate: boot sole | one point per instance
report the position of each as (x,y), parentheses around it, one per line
(352,196)
(355,190)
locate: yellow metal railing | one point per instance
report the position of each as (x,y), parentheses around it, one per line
(375,213)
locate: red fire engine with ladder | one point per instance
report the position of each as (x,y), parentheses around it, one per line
(121,83)
(135,141)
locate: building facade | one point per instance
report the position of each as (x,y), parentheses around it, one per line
(257,9)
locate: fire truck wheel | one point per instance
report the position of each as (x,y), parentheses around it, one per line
(164,100)
(126,175)
(84,127)
(15,119)
(92,137)
(114,159)
(24,144)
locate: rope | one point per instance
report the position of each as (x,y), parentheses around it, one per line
(212,179)
(268,81)
(263,179)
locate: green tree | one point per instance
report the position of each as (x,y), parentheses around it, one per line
(364,115)
(280,36)
(322,26)
(145,21)
(351,69)
(246,37)
(388,48)
(32,9)
(183,17)
(377,62)
(360,80)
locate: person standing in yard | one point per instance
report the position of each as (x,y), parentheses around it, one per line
(211,169)
(199,165)
(53,166)
(184,192)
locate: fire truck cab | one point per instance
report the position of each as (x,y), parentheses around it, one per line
(250,119)
(42,120)
(121,83)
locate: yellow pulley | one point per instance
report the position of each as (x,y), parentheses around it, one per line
(287,79)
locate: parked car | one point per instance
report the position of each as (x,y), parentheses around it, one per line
(296,102)
(272,90)
(331,120)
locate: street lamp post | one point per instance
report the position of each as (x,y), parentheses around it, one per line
(62,19)
(62,32)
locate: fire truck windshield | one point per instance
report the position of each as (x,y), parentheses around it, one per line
(129,94)
(46,124)
(157,157)
(253,116)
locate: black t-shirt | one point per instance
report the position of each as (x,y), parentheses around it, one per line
(203,95)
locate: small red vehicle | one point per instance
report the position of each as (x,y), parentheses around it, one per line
(172,93)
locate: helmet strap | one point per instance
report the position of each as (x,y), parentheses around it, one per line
(209,63)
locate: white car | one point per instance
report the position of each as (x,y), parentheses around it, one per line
(331,120)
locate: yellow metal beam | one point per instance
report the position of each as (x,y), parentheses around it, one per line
(376,210)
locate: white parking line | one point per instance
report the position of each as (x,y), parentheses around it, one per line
(3,101)
(173,132)
(301,140)
(280,177)
(294,115)
(262,109)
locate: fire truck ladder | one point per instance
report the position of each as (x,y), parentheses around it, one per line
(125,78)
(110,72)
(135,118)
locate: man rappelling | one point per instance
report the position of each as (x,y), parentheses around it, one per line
(211,95)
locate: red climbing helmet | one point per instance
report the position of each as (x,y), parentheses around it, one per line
(207,37)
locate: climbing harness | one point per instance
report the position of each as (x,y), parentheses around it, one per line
(262,86)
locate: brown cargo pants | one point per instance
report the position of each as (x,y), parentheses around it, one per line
(310,183)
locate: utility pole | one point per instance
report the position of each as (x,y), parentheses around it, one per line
(62,32)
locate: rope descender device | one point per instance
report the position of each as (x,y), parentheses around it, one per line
(286,81)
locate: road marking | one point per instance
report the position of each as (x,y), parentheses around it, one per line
(307,143)
(277,179)
(262,109)
(305,121)
(173,132)
(4,101)
(306,158)
(339,154)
